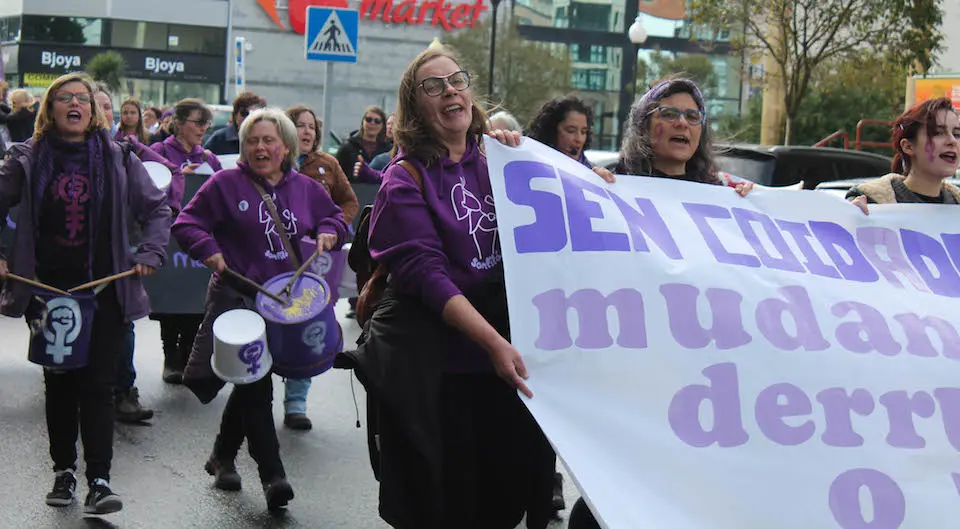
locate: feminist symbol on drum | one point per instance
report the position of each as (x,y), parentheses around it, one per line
(61,327)
(314,336)
(250,355)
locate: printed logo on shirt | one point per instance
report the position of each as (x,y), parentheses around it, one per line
(73,190)
(481,218)
(275,249)
(243,205)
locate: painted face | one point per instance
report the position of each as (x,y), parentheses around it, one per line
(72,110)
(372,124)
(390,121)
(676,140)
(938,155)
(306,131)
(572,134)
(264,150)
(129,116)
(450,112)
(106,105)
(191,131)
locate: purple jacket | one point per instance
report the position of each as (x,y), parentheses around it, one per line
(369,175)
(173,151)
(442,241)
(228,216)
(177,182)
(131,187)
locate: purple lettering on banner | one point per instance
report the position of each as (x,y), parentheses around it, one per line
(834,238)
(580,213)
(956,480)
(644,223)
(548,231)
(723,393)
(943,280)
(889,505)
(951,241)
(592,320)
(700,213)
(787,261)
(770,313)
(800,234)
(918,341)
(949,401)
(901,408)
(896,262)
(871,333)
(837,409)
(726,327)
(770,412)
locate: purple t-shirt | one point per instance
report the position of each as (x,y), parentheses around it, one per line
(227,215)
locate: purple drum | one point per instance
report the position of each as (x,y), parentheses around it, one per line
(60,330)
(329,265)
(303,335)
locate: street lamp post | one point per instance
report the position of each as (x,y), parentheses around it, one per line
(637,36)
(493,43)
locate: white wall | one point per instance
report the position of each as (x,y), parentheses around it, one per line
(950,56)
(192,12)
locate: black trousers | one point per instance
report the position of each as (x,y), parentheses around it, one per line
(177,332)
(249,414)
(80,401)
(581,517)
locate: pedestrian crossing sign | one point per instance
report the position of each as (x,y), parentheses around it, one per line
(331,34)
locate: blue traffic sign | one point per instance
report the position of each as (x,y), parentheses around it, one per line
(331,34)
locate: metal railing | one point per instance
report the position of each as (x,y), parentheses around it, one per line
(858,143)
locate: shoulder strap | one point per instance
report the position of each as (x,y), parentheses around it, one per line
(284,237)
(414,172)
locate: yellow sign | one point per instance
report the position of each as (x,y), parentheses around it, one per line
(933,88)
(39,80)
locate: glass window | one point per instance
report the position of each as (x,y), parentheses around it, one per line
(139,35)
(148,91)
(67,30)
(590,80)
(197,39)
(590,16)
(177,90)
(9,29)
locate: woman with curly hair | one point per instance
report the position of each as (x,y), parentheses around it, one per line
(566,124)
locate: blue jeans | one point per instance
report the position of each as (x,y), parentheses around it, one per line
(295,395)
(126,372)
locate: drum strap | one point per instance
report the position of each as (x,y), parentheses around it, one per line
(284,237)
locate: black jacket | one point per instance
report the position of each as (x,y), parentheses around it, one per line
(353,147)
(20,124)
(226,141)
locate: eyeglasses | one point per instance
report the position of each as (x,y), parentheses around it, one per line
(434,86)
(372,120)
(694,118)
(83,98)
(246,112)
(200,123)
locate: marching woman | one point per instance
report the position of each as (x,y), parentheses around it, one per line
(131,122)
(184,149)
(325,169)
(927,143)
(222,227)
(455,440)
(78,194)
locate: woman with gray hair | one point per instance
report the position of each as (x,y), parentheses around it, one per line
(222,227)
(504,120)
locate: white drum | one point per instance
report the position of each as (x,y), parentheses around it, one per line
(240,352)
(159,173)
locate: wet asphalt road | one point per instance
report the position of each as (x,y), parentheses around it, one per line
(158,468)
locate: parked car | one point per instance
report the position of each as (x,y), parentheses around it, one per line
(781,166)
(840,187)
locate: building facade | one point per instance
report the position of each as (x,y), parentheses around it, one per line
(949,59)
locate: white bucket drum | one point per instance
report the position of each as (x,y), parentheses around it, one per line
(228,161)
(240,352)
(159,173)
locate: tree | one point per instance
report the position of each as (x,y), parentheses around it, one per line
(697,67)
(801,36)
(527,73)
(52,29)
(108,68)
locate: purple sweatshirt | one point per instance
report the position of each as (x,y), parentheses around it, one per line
(177,184)
(442,241)
(228,216)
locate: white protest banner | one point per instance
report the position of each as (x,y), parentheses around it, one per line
(706,361)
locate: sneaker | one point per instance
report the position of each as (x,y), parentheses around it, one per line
(129,409)
(351,313)
(172,376)
(278,493)
(100,499)
(226,475)
(297,421)
(64,486)
(558,502)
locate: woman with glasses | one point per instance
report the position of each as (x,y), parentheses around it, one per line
(191,118)
(131,122)
(366,143)
(79,196)
(455,440)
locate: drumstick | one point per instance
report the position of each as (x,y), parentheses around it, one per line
(37,284)
(259,288)
(107,279)
(298,273)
